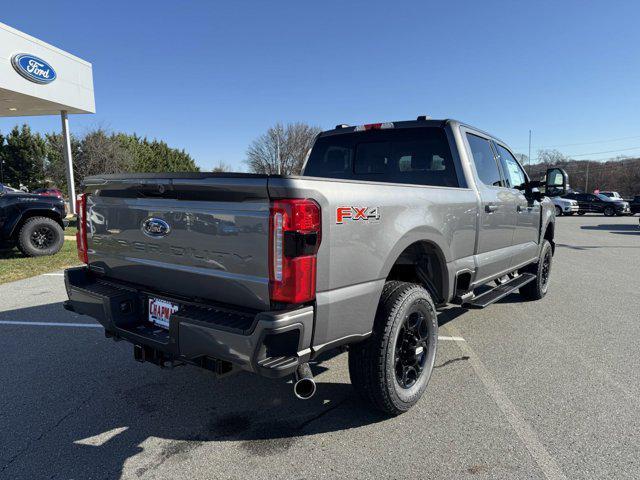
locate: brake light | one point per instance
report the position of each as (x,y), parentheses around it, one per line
(81,235)
(294,232)
(374,126)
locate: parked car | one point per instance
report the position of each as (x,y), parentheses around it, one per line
(634,205)
(387,222)
(599,203)
(49,192)
(33,223)
(565,206)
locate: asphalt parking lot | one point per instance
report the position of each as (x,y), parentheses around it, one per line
(546,389)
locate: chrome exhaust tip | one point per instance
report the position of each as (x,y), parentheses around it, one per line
(304,386)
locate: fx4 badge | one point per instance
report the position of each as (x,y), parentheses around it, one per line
(357,214)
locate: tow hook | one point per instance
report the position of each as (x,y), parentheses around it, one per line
(304,386)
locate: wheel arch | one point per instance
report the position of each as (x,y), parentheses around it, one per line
(421,261)
(31,213)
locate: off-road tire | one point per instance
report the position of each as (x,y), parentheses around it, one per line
(373,362)
(36,228)
(609,212)
(558,211)
(538,288)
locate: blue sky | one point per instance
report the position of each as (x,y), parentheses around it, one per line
(210,76)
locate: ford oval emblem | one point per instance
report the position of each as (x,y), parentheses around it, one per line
(33,68)
(155,227)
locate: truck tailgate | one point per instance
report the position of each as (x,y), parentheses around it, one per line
(193,235)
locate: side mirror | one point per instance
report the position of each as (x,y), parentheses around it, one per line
(556,182)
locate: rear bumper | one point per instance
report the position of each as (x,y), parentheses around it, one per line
(270,344)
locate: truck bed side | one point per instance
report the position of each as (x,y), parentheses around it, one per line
(356,256)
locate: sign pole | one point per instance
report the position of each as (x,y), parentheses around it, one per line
(68,159)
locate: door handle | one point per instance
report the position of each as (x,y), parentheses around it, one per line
(490,208)
(522,208)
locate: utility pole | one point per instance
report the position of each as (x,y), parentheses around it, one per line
(529,147)
(586,180)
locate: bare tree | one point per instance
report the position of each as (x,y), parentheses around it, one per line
(551,157)
(221,167)
(282,149)
(522,158)
(100,153)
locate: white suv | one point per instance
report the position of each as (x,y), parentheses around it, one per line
(565,206)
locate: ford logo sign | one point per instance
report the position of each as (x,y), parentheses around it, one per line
(33,68)
(155,227)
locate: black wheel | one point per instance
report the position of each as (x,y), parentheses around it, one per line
(391,369)
(537,289)
(40,236)
(609,212)
(581,212)
(558,211)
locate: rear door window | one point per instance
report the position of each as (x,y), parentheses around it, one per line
(419,155)
(484,160)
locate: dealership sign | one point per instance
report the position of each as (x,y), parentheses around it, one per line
(33,68)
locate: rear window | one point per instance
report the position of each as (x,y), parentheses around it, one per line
(408,155)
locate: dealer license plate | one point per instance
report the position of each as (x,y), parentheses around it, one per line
(160,311)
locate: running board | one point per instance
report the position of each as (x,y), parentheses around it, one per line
(499,292)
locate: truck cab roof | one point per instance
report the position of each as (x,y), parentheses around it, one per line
(419,122)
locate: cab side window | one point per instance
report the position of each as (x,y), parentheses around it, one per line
(511,168)
(484,160)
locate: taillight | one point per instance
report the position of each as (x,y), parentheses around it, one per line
(81,235)
(294,232)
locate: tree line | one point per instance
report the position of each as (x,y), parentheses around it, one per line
(621,174)
(36,160)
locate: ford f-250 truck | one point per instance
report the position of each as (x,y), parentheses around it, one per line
(387,223)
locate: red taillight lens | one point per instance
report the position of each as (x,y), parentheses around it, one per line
(81,235)
(295,226)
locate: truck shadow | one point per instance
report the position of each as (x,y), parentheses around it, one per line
(620,229)
(124,407)
(8,253)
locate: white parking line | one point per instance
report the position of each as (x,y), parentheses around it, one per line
(527,434)
(51,324)
(451,339)
(53,274)
(101,438)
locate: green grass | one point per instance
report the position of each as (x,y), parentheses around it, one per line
(72,228)
(15,266)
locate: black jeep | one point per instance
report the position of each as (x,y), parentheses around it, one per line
(33,223)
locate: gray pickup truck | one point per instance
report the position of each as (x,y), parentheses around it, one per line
(264,273)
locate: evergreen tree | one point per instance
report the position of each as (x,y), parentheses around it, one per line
(24,158)
(55,165)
